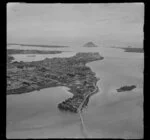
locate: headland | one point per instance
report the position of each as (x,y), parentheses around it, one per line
(72,72)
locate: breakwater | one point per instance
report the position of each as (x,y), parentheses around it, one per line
(84,103)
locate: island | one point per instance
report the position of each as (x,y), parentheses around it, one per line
(72,72)
(90,44)
(126,88)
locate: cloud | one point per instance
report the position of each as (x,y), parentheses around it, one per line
(116,21)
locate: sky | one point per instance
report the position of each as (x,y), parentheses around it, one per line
(75,23)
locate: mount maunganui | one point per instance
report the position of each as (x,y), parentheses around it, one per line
(90,44)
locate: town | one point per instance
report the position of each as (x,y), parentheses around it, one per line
(72,72)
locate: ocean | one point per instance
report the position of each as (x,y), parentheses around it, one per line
(109,114)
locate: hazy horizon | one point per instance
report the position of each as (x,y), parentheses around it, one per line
(76,24)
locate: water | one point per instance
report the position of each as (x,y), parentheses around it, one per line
(36,114)
(38,57)
(109,114)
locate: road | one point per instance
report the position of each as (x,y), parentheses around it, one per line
(83,127)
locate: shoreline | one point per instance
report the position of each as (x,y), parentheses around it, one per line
(16,51)
(36,45)
(131,49)
(72,72)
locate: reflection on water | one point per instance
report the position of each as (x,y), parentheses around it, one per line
(109,114)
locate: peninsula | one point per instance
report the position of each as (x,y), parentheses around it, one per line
(16,51)
(131,49)
(72,72)
(36,45)
(135,50)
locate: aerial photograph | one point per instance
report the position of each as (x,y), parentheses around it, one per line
(75,70)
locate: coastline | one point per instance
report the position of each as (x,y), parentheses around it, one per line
(131,49)
(16,51)
(98,106)
(36,45)
(78,78)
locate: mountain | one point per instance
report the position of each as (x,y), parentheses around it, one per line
(90,44)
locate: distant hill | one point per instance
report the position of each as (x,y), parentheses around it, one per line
(90,44)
